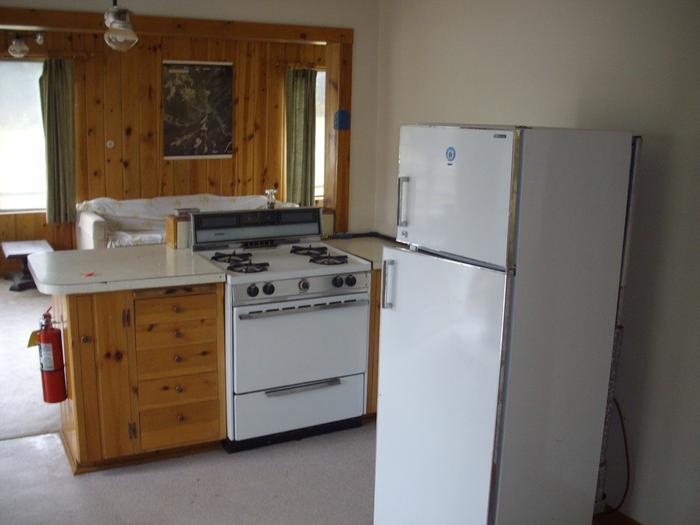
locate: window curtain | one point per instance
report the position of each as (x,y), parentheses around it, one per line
(300,101)
(56,88)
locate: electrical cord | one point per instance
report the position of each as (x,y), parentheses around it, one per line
(627,462)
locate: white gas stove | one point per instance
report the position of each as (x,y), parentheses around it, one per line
(297,324)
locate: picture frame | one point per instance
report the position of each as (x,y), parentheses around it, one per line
(197,110)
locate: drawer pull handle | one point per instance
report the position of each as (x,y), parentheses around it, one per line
(285,391)
(177,358)
(181,418)
(118,356)
(177,309)
(178,334)
(85,339)
(179,389)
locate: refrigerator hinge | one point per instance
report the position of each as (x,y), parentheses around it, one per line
(511,271)
(413,247)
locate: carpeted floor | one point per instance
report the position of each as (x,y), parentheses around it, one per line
(325,480)
(22,409)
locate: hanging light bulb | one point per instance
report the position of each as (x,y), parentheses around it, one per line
(18,48)
(120,36)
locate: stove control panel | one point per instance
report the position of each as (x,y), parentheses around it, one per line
(297,288)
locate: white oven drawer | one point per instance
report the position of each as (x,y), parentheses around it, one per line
(289,408)
(299,341)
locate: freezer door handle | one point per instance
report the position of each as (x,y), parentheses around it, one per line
(401,218)
(386,264)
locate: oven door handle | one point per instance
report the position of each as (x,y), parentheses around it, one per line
(302,310)
(284,391)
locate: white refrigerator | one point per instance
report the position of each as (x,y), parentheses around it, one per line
(497,324)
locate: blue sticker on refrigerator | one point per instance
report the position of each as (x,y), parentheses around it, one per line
(450,155)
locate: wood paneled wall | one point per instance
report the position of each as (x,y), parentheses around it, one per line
(119,108)
(24,226)
(119,115)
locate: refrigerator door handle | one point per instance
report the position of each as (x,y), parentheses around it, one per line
(386,304)
(401,218)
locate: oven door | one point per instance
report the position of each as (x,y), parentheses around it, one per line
(295,342)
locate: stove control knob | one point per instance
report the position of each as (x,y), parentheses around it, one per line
(269,288)
(337,281)
(350,280)
(253,290)
(304,285)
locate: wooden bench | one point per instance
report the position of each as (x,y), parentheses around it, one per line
(21,250)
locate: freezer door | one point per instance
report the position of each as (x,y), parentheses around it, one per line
(454,191)
(439,361)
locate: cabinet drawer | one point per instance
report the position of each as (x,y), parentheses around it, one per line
(279,410)
(177,390)
(153,363)
(175,291)
(176,334)
(179,425)
(174,309)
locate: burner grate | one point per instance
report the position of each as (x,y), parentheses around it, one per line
(309,250)
(329,260)
(249,267)
(232,257)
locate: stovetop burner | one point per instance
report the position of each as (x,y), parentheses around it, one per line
(232,257)
(249,267)
(309,250)
(329,260)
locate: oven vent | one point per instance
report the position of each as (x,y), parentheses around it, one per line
(290,310)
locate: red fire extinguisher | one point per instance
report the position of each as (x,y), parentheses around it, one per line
(51,357)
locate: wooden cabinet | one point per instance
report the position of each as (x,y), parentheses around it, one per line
(373,361)
(145,372)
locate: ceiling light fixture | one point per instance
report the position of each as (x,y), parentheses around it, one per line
(120,36)
(18,48)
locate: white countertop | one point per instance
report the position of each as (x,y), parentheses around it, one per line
(369,248)
(111,269)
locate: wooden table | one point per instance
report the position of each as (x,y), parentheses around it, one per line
(21,250)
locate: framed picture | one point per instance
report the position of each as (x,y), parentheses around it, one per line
(197,110)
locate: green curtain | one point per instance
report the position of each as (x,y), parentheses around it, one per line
(56,87)
(300,103)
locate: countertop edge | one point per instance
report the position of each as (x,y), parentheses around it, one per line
(134,284)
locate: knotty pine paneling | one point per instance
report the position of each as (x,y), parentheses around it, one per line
(118,108)
(31,226)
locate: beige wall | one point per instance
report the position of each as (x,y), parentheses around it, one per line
(632,65)
(360,15)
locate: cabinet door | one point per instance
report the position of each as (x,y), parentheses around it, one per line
(113,351)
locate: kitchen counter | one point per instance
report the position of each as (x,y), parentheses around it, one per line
(113,269)
(368,247)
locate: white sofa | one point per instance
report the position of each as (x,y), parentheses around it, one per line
(108,223)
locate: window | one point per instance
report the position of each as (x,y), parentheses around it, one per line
(22,145)
(320,146)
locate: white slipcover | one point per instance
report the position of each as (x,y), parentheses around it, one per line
(106,222)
